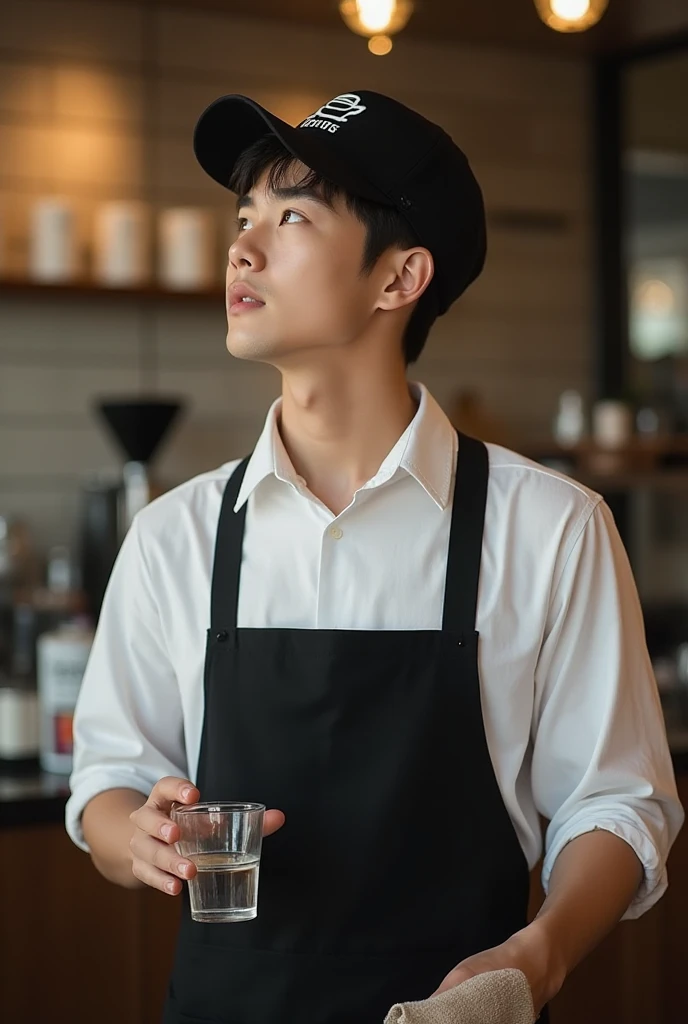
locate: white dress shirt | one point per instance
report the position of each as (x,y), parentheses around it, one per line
(571,709)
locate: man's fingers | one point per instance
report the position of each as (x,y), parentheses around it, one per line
(172,790)
(272,821)
(454,978)
(153,817)
(157,864)
(155,823)
(156,878)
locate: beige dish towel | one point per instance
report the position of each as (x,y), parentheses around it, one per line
(497,997)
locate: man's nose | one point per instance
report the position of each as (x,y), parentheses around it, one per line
(244,252)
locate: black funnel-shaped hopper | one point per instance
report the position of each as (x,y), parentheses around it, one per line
(139,426)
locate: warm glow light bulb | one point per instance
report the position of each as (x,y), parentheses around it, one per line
(376,15)
(571,15)
(571,10)
(380,45)
(377,18)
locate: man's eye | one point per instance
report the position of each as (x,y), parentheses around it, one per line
(243,223)
(290,213)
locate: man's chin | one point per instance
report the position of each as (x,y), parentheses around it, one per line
(256,349)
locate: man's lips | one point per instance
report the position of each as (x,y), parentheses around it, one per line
(241,298)
(236,308)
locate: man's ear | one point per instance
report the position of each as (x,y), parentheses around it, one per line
(410,272)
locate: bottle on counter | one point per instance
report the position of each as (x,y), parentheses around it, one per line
(18,728)
(18,696)
(62,656)
(18,699)
(569,424)
(45,637)
(62,598)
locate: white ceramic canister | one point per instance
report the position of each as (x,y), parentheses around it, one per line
(121,244)
(53,240)
(612,424)
(61,659)
(186,248)
(18,723)
(569,425)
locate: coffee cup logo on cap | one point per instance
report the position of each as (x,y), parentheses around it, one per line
(338,109)
(374,147)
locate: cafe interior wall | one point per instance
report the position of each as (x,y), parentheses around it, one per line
(98,102)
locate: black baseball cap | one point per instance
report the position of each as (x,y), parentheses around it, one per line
(374,147)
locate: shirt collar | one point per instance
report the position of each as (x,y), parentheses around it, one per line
(426,451)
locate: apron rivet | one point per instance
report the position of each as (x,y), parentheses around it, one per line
(222,635)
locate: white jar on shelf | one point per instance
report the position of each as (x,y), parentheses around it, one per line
(612,424)
(569,425)
(121,244)
(186,248)
(53,240)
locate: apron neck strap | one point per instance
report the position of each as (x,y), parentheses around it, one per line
(228,551)
(466,537)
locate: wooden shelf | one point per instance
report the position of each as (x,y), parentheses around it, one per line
(84,289)
(658,479)
(662,465)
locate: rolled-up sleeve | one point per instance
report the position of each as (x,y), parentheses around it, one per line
(128,726)
(600,754)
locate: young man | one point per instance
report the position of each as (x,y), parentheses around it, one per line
(418,644)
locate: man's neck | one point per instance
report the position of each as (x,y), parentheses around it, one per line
(338,429)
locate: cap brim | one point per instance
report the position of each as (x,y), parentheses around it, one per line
(233,123)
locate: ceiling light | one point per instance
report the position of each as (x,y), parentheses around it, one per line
(377,20)
(379,45)
(571,15)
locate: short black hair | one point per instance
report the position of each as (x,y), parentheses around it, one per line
(385,227)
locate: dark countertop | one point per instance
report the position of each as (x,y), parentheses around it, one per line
(34,797)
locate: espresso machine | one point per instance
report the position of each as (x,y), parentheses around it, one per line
(108,505)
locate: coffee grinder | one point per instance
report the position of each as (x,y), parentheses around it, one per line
(109,505)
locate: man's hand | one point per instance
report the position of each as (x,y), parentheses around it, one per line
(594,879)
(154,858)
(526,951)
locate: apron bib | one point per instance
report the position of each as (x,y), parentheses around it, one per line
(398,858)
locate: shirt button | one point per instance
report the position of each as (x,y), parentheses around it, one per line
(336,533)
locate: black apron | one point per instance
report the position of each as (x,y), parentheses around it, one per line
(398,858)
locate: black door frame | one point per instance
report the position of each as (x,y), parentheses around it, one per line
(610,289)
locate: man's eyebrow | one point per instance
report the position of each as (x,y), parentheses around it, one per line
(288,192)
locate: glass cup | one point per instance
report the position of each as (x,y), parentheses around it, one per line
(224,841)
